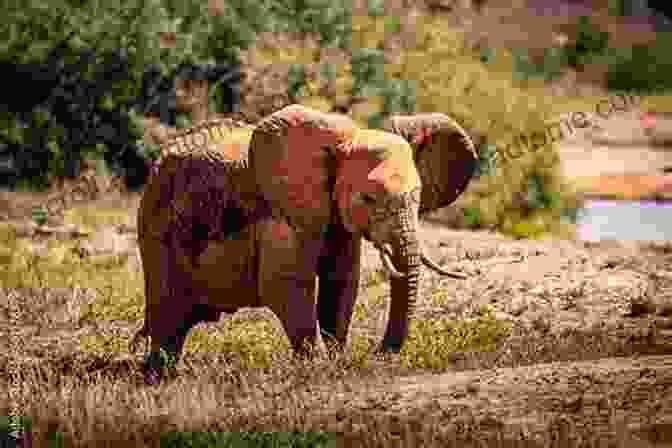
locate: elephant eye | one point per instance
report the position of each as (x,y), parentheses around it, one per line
(368,199)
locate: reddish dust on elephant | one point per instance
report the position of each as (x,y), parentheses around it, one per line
(224,224)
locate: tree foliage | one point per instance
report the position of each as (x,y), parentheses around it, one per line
(88,68)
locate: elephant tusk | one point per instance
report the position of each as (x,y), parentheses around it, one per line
(434,266)
(387,264)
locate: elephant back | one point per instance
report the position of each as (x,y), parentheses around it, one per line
(444,155)
(292,158)
(222,139)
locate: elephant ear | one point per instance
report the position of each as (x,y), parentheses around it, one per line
(444,155)
(293,154)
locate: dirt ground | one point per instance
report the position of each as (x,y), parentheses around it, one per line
(591,349)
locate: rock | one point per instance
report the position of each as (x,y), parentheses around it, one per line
(108,241)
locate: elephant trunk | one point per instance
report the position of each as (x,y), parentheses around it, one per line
(407,259)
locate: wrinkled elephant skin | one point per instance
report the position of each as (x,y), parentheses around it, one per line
(220,230)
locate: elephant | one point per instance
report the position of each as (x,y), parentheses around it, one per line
(257,225)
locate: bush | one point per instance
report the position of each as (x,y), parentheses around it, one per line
(330,20)
(487,155)
(451,78)
(617,7)
(296,80)
(90,66)
(367,71)
(643,69)
(589,42)
(399,97)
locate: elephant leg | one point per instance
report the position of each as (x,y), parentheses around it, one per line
(287,277)
(169,311)
(339,271)
(299,314)
(205,313)
(173,344)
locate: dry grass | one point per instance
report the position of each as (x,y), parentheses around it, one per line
(70,321)
(67,366)
(66,321)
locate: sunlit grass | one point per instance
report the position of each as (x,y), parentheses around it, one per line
(94,217)
(433,341)
(119,296)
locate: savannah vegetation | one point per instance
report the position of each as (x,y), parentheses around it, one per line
(76,380)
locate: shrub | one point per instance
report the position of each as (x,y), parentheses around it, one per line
(398,96)
(487,155)
(550,68)
(376,8)
(644,69)
(616,7)
(87,64)
(451,78)
(296,80)
(330,20)
(367,71)
(472,217)
(589,42)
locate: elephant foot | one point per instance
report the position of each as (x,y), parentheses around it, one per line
(152,369)
(332,343)
(156,366)
(391,346)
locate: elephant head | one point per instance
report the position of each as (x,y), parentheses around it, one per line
(444,155)
(318,169)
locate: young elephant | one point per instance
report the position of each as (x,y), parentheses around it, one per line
(216,234)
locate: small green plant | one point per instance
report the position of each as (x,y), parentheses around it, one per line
(331,20)
(328,73)
(433,341)
(486,164)
(550,68)
(643,69)
(392,25)
(555,58)
(40,215)
(367,71)
(538,196)
(471,217)
(399,96)
(376,8)
(589,42)
(182,120)
(486,54)
(523,67)
(152,151)
(296,80)
(569,215)
(616,8)
(168,359)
